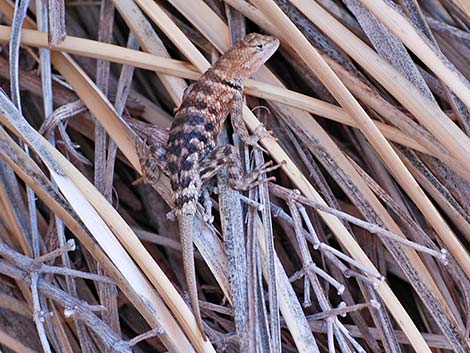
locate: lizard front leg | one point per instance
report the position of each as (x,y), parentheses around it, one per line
(236,116)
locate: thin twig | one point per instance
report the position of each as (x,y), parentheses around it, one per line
(144,336)
(372,228)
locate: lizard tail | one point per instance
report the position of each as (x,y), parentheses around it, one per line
(185,223)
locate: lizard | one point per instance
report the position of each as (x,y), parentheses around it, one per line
(192,156)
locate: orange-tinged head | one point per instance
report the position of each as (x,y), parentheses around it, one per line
(246,57)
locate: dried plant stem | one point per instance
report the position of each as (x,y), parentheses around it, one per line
(79,308)
(100,229)
(372,228)
(145,335)
(423,49)
(358,212)
(56,16)
(274,315)
(181,69)
(383,148)
(21,8)
(27,264)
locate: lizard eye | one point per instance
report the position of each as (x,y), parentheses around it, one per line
(259,46)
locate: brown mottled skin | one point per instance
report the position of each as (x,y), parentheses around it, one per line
(192,155)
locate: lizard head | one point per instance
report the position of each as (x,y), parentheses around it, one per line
(249,54)
(257,49)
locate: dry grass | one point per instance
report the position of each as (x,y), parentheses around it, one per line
(361,244)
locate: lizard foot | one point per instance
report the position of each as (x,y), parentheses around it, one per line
(260,133)
(171,216)
(207,206)
(250,180)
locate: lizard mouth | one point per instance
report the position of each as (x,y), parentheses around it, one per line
(272,45)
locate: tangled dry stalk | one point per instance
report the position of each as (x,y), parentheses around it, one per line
(361,244)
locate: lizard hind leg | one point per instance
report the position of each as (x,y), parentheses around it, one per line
(152,159)
(228,157)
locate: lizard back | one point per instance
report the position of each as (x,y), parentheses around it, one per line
(205,105)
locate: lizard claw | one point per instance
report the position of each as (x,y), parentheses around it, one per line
(138,181)
(207,207)
(260,133)
(171,216)
(251,179)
